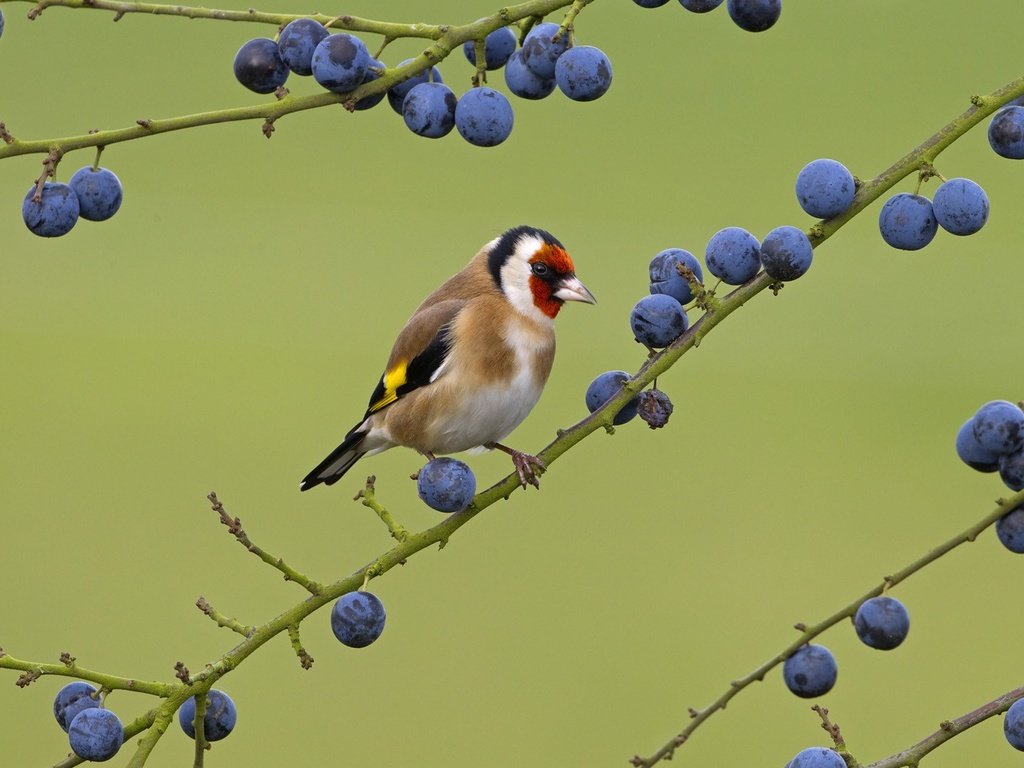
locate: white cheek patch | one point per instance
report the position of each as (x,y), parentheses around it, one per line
(515,278)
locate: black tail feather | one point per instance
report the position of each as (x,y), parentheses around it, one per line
(338,462)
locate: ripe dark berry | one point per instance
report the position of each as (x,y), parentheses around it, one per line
(340,62)
(754,15)
(1,23)
(483,117)
(446,484)
(297,42)
(72,699)
(665,277)
(541,49)
(498,46)
(700,6)
(882,622)
(1013,725)
(397,93)
(786,253)
(99,193)
(971,453)
(429,110)
(1010,530)
(960,206)
(218,720)
(358,619)
(523,82)
(1006,133)
(606,386)
(825,188)
(658,320)
(372,73)
(817,757)
(655,408)
(55,214)
(1011,470)
(810,672)
(999,426)
(95,734)
(907,221)
(650,3)
(583,73)
(258,66)
(733,255)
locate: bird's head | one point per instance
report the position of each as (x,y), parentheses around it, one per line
(534,271)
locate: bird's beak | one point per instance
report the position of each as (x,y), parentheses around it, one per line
(571,289)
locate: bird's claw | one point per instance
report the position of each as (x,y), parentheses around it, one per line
(528,467)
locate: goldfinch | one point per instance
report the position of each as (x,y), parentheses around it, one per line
(471,362)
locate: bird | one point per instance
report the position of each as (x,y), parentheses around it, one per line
(471,362)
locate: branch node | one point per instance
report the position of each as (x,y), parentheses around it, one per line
(28,677)
(181,672)
(145,123)
(67,659)
(5,135)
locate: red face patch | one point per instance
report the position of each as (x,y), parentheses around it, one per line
(543,288)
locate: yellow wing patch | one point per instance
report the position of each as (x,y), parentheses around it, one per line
(392,380)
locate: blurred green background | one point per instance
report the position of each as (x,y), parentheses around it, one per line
(225,329)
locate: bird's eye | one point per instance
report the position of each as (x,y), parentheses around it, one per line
(539,268)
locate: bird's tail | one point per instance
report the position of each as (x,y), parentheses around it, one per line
(340,460)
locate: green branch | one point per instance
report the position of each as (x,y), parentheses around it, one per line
(446,39)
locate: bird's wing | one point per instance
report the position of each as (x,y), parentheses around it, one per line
(418,355)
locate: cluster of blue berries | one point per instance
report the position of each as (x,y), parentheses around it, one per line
(96,734)
(751,15)
(93,193)
(909,221)
(483,116)
(992,440)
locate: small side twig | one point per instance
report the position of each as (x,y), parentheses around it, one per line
(369,499)
(304,658)
(234,526)
(223,621)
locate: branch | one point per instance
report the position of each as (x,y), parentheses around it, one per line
(808,633)
(446,39)
(36,669)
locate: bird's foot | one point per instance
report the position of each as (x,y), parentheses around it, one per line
(528,467)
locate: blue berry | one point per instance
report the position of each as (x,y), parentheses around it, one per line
(72,699)
(700,6)
(56,212)
(1013,725)
(258,66)
(665,278)
(446,484)
(218,720)
(99,193)
(1011,470)
(810,672)
(816,757)
(971,453)
(483,117)
(541,49)
(2,23)
(297,42)
(358,619)
(1010,530)
(960,206)
(650,3)
(498,46)
(658,320)
(523,82)
(999,426)
(733,255)
(95,734)
(882,622)
(1006,133)
(754,15)
(340,62)
(825,188)
(786,253)
(907,221)
(371,74)
(429,110)
(583,73)
(604,387)
(397,93)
